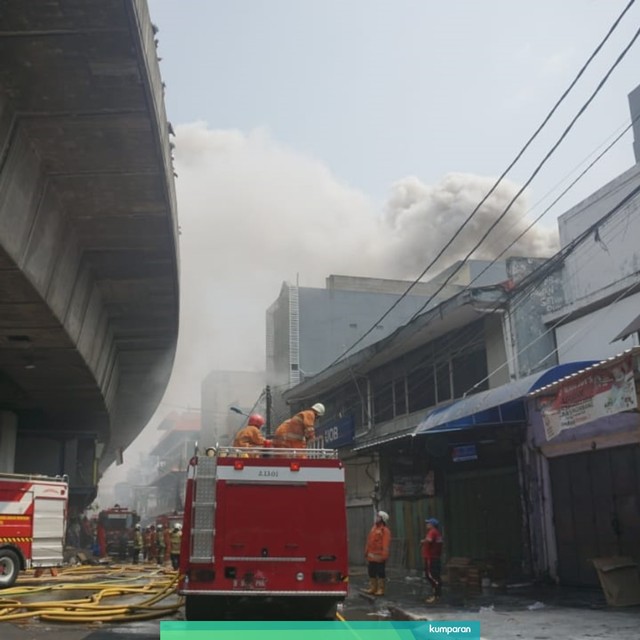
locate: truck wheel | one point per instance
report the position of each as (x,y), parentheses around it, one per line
(195,608)
(9,567)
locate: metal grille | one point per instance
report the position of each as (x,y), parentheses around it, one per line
(202,530)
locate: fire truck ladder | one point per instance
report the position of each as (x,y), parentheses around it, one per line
(204,505)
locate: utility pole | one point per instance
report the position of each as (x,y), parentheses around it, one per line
(268,409)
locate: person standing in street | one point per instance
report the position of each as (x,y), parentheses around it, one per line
(137,543)
(176,541)
(146,543)
(160,544)
(431,554)
(376,553)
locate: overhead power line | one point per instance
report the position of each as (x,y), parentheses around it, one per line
(505,172)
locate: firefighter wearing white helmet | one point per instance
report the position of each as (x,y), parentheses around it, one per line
(295,432)
(176,541)
(376,553)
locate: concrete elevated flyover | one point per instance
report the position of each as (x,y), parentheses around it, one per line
(89,294)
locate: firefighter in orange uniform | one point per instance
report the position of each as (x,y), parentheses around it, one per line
(153,544)
(167,545)
(296,431)
(251,436)
(377,552)
(146,539)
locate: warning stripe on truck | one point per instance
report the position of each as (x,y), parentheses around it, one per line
(20,539)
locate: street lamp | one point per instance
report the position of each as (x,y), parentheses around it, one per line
(240,411)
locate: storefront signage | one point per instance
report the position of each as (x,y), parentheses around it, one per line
(336,433)
(413,485)
(602,392)
(464,452)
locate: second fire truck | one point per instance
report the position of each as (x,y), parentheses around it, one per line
(33,516)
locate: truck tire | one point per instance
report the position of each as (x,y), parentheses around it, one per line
(9,567)
(201,608)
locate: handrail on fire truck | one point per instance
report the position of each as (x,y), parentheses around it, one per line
(271,452)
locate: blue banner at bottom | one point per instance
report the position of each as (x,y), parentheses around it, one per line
(368,630)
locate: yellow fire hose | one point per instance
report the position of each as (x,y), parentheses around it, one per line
(158,586)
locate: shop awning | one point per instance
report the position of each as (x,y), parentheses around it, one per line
(390,437)
(502,405)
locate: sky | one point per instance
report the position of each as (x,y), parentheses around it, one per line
(354,137)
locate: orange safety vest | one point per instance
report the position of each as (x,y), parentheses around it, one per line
(378,542)
(249,437)
(294,432)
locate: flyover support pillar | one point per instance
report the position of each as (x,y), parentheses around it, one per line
(8,431)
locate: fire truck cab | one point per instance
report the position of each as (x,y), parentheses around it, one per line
(264,535)
(168,520)
(118,524)
(33,517)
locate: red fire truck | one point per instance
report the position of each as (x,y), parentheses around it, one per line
(118,524)
(167,520)
(264,537)
(33,516)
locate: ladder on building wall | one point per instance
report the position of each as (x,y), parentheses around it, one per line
(294,336)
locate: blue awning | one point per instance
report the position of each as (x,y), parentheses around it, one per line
(502,405)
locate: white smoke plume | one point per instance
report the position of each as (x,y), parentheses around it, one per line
(420,220)
(255,213)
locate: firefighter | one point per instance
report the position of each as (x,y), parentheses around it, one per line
(176,541)
(153,544)
(295,432)
(137,543)
(160,545)
(146,543)
(376,553)
(250,436)
(167,544)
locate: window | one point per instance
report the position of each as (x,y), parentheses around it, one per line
(383,402)
(399,397)
(443,382)
(469,369)
(421,388)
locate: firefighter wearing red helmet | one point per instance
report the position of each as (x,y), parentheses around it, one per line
(250,435)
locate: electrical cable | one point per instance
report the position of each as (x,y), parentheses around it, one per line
(523,292)
(535,172)
(584,172)
(476,209)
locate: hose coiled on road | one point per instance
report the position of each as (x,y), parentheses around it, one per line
(118,581)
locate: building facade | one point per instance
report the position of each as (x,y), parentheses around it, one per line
(587,476)
(378,401)
(309,328)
